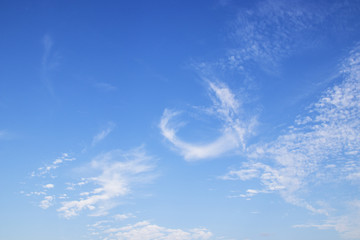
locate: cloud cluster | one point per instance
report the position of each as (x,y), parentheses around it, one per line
(47,175)
(48,168)
(275,29)
(321,147)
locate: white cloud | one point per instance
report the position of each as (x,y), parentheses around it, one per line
(234,130)
(272,31)
(146,231)
(323,146)
(58,161)
(121,217)
(242,174)
(48,186)
(103,134)
(119,171)
(47,173)
(105,86)
(47,202)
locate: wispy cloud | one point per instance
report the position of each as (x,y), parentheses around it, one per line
(48,44)
(105,86)
(3,134)
(50,60)
(121,217)
(348,225)
(118,172)
(144,230)
(103,134)
(322,146)
(234,129)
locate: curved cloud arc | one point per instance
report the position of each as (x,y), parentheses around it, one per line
(226,107)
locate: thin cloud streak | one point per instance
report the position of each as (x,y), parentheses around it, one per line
(103,134)
(192,151)
(49,62)
(105,86)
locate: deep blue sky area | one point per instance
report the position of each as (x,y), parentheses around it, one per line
(186,120)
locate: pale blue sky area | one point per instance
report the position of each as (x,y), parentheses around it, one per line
(186,120)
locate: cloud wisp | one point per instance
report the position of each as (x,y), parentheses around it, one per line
(225,107)
(49,62)
(104,86)
(103,134)
(348,225)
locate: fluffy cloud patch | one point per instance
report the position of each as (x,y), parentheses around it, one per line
(47,202)
(118,172)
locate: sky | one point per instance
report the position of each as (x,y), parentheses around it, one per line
(180,120)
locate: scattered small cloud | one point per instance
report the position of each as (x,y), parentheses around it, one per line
(47,168)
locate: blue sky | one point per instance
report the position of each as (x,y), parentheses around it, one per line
(222,119)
